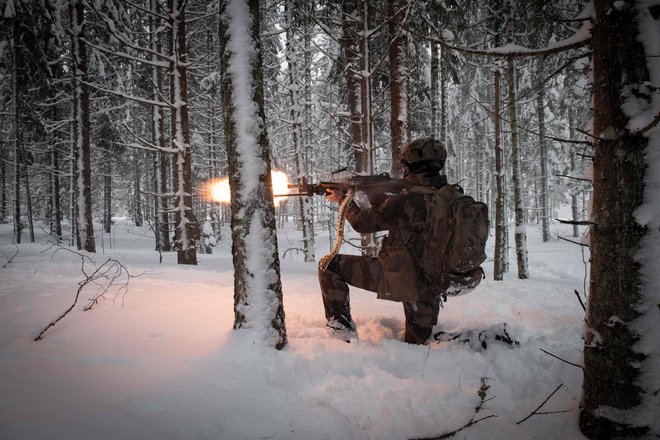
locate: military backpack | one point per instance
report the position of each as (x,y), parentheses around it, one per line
(451,246)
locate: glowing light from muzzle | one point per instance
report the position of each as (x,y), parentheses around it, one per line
(217,190)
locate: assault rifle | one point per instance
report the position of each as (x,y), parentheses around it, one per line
(374,186)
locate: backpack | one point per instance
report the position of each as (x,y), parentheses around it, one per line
(451,245)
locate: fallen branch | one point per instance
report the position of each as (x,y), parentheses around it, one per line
(482,400)
(9,259)
(535,412)
(563,360)
(104,276)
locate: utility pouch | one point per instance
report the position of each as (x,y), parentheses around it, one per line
(400,274)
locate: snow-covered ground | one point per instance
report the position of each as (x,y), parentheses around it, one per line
(161,361)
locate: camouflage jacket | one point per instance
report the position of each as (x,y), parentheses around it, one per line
(403,215)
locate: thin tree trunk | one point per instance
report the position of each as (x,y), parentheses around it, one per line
(296,105)
(519,209)
(187,229)
(82,130)
(398,84)
(574,190)
(28,202)
(54,196)
(500,218)
(435,94)
(137,177)
(351,48)
(545,210)
(18,226)
(107,191)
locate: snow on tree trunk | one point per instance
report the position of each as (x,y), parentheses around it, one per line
(82,130)
(18,227)
(620,397)
(158,137)
(187,229)
(296,107)
(257,284)
(545,214)
(435,94)
(574,189)
(398,84)
(351,48)
(500,218)
(516,176)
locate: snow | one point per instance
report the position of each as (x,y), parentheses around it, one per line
(162,361)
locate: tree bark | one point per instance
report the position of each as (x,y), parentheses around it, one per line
(516,176)
(616,365)
(82,130)
(257,284)
(500,219)
(543,146)
(296,106)
(398,84)
(187,229)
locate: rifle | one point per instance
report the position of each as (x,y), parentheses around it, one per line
(374,186)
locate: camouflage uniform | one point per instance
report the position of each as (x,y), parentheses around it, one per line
(403,215)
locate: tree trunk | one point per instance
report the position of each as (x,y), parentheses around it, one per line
(621,357)
(28,201)
(351,48)
(18,226)
(296,105)
(516,166)
(398,84)
(257,284)
(187,229)
(574,190)
(545,210)
(158,138)
(82,130)
(55,208)
(500,219)
(435,94)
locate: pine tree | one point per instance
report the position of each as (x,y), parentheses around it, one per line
(621,357)
(257,285)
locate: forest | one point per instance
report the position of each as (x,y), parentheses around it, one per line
(134,109)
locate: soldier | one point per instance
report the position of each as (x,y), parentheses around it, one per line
(394,274)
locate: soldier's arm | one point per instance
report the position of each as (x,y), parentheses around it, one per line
(378,217)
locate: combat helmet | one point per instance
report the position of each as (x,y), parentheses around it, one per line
(423,153)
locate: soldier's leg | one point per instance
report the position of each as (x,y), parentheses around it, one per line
(421,316)
(358,271)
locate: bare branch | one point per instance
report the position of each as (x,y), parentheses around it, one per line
(574,178)
(103,276)
(572,241)
(576,222)
(557,357)
(482,399)
(535,412)
(9,260)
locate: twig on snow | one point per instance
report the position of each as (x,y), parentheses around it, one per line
(563,360)
(103,276)
(9,260)
(536,411)
(482,400)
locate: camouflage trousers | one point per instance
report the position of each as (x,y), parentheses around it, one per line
(366,273)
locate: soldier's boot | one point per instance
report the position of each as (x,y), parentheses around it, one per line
(421,316)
